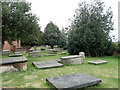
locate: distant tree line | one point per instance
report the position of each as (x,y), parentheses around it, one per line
(88,32)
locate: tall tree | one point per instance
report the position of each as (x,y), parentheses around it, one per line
(90,30)
(19,23)
(63,39)
(51,35)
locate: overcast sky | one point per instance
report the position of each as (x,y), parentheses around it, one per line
(60,11)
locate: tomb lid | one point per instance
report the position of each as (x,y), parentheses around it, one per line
(13,60)
(5,50)
(47,64)
(70,57)
(73,81)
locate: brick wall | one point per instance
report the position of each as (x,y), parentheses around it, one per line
(7,46)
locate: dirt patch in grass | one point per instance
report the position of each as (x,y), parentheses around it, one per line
(36,84)
(27,84)
(30,77)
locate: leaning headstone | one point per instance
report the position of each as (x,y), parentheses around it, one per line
(15,55)
(5,52)
(97,62)
(75,59)
(47,64)
(73,81)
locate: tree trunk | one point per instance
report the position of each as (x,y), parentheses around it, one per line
(52,46)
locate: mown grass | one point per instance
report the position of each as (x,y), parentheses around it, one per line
(36,78)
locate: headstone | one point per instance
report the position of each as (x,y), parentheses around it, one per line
(82,55)
(76,59)
(47,64)
(97,62)
(5,52)
(15,55)
(73,81)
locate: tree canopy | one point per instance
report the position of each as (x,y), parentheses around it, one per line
(89,30)
(51,34)
(63,39)
(19,23)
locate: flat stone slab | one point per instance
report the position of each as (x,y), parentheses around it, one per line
(97,62)
(75,59)
(47,64)
(13,60)
(5,52)
(15,55)
(49,55)
(70,57)
(73,81)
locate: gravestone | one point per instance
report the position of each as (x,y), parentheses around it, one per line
(82,55)
(15,55)
(31,50)
(52,51)
(73,81)
(75,59)
(20,51)
(34,54)
(97,62)
(18,62)
(5,52)
(47,64)
(49,55)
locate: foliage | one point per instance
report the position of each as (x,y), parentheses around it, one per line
(18,23)
(63,39)
(117,47)
(89,30)
(51,35)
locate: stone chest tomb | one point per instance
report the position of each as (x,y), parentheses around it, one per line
(76,59)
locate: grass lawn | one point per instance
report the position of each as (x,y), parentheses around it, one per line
(35,78)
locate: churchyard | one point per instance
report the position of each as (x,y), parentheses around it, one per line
(82,54)
(35,77)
